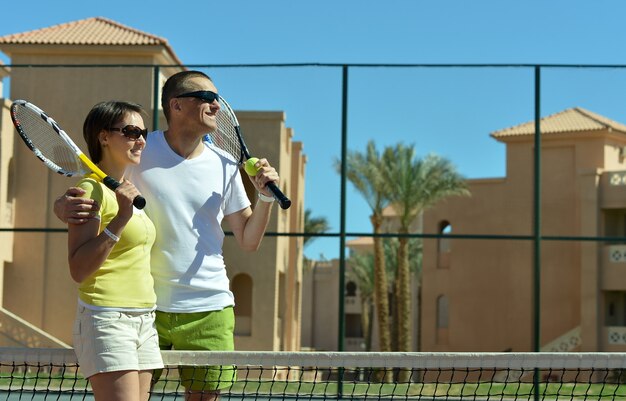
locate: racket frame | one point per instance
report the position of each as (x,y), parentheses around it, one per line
(280,197)
(139,202)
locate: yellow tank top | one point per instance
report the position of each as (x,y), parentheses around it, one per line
(124,279)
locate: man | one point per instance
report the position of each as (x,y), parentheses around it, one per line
(190,186)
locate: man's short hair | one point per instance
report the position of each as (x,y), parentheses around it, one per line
(176,85)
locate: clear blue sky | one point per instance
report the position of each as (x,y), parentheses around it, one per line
(447,111)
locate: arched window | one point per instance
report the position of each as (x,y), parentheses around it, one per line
(241,286)
(351,289)
(8,214)
(442,312)
(442,319)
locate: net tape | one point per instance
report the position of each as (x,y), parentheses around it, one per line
(50,373)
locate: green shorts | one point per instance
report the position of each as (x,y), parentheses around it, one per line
(209,331)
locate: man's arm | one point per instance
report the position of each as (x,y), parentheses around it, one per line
(72,208)
(249,226)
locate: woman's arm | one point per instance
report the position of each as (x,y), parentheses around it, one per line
(88,248)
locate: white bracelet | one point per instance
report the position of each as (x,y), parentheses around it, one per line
(114,237)
(265,198)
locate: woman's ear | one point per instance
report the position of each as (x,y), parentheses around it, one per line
(103,138)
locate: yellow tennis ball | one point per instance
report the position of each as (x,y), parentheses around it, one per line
(249,166)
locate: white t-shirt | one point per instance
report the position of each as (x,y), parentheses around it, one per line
(187,200)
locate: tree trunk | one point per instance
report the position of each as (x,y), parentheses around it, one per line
(404,297)
(404,304)
(368,343)
(395,310)
(382,301)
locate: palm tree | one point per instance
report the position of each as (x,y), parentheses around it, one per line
(361,271)
(392,246)
(365,172)
(416,184)
(312,225)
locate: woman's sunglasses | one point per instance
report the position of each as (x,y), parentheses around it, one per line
(131,132)
(205,96)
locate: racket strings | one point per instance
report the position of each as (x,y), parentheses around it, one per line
(46,142)
(226,136)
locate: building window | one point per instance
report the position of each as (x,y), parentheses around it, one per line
(241,286)
(442,320)
(7,215)
(444,245)
(442,312)
(615,308)
(351,289)
(615,223)
(353,325)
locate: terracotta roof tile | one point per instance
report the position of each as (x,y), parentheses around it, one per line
(575,119)
(90,31)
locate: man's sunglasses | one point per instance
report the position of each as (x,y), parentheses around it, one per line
(131,132)
(205,96)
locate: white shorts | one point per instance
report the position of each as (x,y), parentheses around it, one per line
(108,341)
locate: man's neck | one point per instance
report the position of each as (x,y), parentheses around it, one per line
(186,146)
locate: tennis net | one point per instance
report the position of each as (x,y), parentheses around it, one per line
(53,374)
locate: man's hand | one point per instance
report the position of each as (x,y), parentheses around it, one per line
(264,174)
(72,208)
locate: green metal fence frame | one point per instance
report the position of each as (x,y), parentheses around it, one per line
(536,237)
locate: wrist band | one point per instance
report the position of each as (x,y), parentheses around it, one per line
(114,237)
(265,198)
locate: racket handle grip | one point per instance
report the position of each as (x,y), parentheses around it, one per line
(280,197)
(139,202)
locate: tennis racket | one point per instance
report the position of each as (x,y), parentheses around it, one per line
(54,147)
(228,137)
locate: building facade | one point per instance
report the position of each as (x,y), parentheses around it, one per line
(36,287)
(478,293)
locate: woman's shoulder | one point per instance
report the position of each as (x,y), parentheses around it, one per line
(92,187)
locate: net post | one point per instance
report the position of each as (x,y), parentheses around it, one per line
(342,237)
(537,231)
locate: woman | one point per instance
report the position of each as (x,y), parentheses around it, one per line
(115,339)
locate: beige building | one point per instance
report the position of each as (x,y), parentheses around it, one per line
(37,293)
(478,294)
